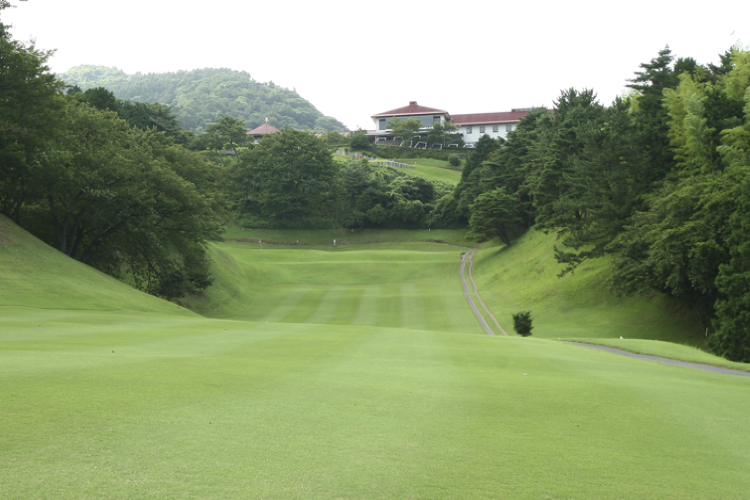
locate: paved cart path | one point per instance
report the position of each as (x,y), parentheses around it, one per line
(473,306)
(479,297)
(667,361)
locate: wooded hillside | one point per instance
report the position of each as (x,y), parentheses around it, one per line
(199,97)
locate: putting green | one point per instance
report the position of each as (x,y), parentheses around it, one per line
(371,379)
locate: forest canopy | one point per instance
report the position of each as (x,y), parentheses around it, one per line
(199,96)
(127,201)
(658,181)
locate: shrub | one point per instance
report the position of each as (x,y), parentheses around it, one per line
(522,323)
(454,159)
(359,141)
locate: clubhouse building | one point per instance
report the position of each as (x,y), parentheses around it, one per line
(470,126)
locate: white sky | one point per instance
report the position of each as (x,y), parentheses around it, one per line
(354,59)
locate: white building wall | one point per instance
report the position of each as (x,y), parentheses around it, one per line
(472,133)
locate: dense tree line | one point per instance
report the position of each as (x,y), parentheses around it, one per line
(290,180)
(200,97)
(125,199)
(659,179)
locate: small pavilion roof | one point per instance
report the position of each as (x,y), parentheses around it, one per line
(264,129)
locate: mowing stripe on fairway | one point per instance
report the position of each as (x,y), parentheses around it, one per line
(369,306)
(306,307)
(328,307)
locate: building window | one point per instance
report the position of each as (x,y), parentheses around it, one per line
(481,130)
(496,128)
(468,130)
(381,124)
(435,120)
(508,127)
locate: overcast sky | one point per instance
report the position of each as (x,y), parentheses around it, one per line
(354,59)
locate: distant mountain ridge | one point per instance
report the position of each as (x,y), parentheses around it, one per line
(199,97)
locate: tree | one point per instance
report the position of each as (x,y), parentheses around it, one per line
(333,138)
(226,131)
(559,142)
(112,199)
(144,115)
(407,129)
(101,99)
(470,185)
(199,96)
(494,215)
(288,180)
(100,191)
(443,133)
(604,187)
(732,337)
(651,116)
(30,114)
(522,323)
(358,140)
(688,242)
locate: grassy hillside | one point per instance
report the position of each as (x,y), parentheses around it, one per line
(242,267)
(438,170)
(348,372)
(524,277)
(200,96)
(38,276)
(401,286)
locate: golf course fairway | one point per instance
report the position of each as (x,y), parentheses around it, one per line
(352,372)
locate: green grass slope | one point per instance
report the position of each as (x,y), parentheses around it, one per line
(370,379)
(437,170)
(228,409)
(523,277)
(402,285)
(37,276)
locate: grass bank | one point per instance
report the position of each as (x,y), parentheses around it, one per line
(353,372)
(523,277)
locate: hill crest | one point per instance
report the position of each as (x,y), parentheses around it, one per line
(198,97)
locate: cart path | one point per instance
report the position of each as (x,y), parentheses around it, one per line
(476,292)
(468,297)
(667,361)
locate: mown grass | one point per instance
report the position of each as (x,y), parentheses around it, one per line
(371,379)
(229,409)
(432,169)
(432,162)
(401,286)
(434,173)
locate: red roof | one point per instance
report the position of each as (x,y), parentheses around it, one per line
(264,129)
(487,118)
(412,109)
